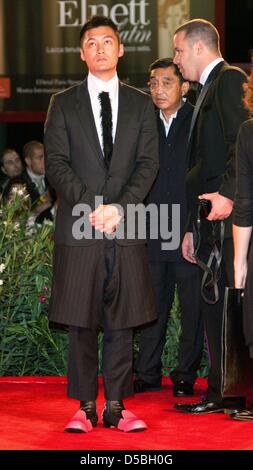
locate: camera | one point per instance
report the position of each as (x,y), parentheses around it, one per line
(205,208)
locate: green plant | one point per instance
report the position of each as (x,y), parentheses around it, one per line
(27,345)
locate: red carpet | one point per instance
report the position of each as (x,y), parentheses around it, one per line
(34,411)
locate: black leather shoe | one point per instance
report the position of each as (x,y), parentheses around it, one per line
(141,386)
(116,416)
(183,389)
(202,407)
(242,415)
(112,413)
(90,409)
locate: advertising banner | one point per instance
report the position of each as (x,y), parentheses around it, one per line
(39,46)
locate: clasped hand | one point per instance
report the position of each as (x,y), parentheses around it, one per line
(105,218)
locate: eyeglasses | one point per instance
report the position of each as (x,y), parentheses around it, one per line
(165,84)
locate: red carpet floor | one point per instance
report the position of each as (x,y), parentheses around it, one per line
(34,410)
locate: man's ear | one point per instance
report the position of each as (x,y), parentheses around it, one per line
(121,50)
(185,88)
(3,170)
(27,161)
(82,55)
(199,47)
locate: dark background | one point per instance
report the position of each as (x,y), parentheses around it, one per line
(238,30)
(17,134)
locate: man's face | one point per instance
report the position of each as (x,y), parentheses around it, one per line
(101,51)
(166,89)
(36,162)
(186,57)
(12,164)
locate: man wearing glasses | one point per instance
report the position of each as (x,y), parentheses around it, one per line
(168,268)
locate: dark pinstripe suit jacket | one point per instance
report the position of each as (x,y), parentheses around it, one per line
(74,161)
(76,170)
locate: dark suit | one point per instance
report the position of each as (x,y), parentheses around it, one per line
(212,168)
(100,281)
(35,196)
(168,267)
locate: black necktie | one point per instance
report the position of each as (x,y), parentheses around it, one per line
(106,122)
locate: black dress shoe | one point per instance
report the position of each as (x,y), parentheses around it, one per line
(116,416)
(141,386)
(112,413)
(90,409)
(202,407)
(242,415)
(183,389)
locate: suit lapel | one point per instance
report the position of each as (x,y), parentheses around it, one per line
(198,106)
(203,94)
(172,129)
(177,122)
(85,114)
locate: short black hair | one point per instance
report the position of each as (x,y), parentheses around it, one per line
(95,22)
(163,64)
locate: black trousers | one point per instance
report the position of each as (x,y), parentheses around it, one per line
(213,318)
(165,276)
(117,353)
(116,363)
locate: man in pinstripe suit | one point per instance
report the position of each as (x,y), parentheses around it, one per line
(100,281)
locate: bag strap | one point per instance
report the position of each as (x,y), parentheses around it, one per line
(211,276)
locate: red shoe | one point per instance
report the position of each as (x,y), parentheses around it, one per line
(115,416)
(85,418)
(130,423)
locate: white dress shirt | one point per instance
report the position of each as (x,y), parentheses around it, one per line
(38,180)
(168,123)
(96,86)
(206,72)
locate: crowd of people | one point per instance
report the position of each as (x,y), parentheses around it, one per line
(106,139)
(28,174)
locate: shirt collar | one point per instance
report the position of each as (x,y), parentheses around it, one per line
(174,115)
(165,122)
(34,176)
(95,85)
(206,72)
